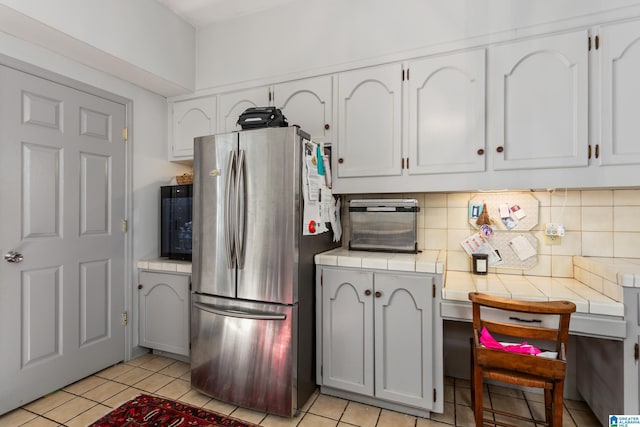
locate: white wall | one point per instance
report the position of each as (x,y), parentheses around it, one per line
(140,40)
(310,36)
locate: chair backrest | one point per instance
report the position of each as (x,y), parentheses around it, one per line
(527,320)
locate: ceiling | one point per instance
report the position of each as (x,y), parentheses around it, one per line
(201,13)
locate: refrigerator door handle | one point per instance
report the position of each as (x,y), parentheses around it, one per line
(243,314)
(228,226)
(241,214)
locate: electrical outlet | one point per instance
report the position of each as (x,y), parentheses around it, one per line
(552,240)
(554,229)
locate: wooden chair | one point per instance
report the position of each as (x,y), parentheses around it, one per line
(519,321)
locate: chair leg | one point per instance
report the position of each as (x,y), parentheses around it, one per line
(558,391)
(476,395)
(548,406)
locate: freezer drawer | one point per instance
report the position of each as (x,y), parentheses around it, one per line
(244,353)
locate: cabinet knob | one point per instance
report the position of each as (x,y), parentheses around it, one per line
(378,294)
(480,151)
(341,160)
(139,286)
(367,292)
(499,148)
(326,126)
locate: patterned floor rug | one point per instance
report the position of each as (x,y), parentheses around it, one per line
(151,411)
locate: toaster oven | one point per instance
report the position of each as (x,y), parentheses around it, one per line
(384,225)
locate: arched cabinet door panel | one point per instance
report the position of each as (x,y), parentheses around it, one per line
(231,105)
(447,114)
(347,330)
(189,119)
(539,102)
(620,94)
(163,304)
(370,119)
(308,103)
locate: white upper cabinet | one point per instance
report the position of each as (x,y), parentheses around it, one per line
(619,52)
(447,114)
(233,104)
(539,102)
(370,118)
(308,104)
(190,119)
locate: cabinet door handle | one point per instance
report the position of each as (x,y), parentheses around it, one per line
(499,148)
(367,292)
(378,294)
(480,151)
(326,126)
(341,160)
(139,286)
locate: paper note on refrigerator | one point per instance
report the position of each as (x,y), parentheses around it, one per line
(313,189)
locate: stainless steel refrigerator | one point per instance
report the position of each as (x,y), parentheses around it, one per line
(252,317)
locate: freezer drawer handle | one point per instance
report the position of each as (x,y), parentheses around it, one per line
(239,313)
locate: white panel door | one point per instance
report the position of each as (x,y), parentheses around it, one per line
(539,102)
(231,105)
(404,339)
(308,104)
(62,158)
(190,119)
(370,121)
(620,96)
(347,330)
(446,113)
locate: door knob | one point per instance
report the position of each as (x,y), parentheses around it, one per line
(13,256)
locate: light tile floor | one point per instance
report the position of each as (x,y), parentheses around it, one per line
(87,400)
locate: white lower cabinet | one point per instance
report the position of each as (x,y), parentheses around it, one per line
(378,339)
(163,310)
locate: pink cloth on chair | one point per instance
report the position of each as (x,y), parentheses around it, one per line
(490,342)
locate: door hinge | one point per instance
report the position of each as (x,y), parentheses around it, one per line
(125,134)
(125,225)
(636,352)
(433,291)
(124,319)
(435,394)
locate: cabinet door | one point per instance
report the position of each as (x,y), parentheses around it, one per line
(620,67)
(190,119)
(539,102)
(308,104)
(163,304)
(446,113)
(404,339)
(347,330)
(369,122)
(231,105)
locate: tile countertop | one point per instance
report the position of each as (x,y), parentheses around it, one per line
(597,290)
(166,265)
(427,261)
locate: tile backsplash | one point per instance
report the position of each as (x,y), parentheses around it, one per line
(598,223)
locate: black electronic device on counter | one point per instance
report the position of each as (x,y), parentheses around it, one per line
(176,225)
